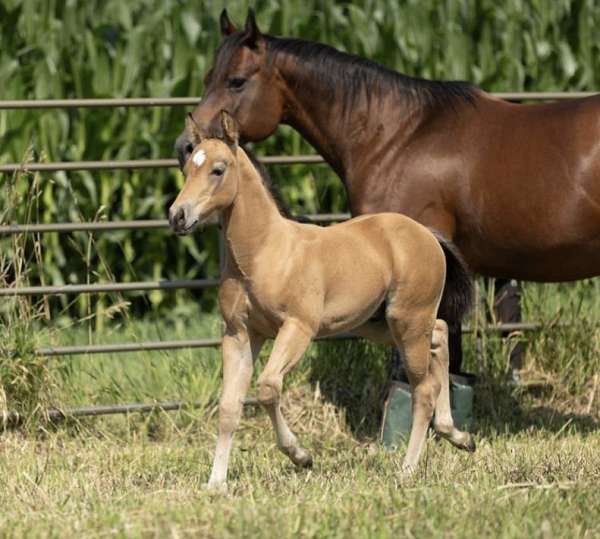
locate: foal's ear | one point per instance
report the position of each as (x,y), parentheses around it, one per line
(252,33)
(193,129)
(231,131)
(227,27)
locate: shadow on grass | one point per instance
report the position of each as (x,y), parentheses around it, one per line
(353,375)
(499,407)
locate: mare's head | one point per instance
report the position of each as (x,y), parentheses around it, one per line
(211,176)
(242,82)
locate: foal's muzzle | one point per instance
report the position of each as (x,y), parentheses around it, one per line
(183,218)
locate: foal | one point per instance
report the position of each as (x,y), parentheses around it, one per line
(294,282)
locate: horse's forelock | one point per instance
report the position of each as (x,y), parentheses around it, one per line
(225,55)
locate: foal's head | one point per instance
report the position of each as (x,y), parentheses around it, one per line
(243,82)
(211,176)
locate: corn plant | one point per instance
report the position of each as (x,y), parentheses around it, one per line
(61,49)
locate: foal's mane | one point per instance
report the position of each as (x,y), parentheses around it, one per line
(272,188)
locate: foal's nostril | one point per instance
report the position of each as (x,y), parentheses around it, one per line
(181,217)
(177,218)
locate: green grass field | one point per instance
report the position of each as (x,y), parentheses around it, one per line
(529,483)
(535,473)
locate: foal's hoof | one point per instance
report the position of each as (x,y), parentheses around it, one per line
(301,458)
(470,445)
(219,489)
(462,440)
(407,471)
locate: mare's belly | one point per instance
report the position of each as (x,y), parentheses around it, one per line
(543,263)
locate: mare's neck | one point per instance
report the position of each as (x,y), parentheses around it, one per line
(348,140)
(253,218)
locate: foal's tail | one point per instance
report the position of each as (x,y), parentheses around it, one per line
(458,290)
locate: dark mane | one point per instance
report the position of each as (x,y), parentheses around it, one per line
(346,76)
(351,77)
(271,187)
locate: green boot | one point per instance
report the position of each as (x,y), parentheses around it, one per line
(461,400)
(397,416)
(397,413)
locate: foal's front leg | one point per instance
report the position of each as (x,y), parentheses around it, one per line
(289,346)
(239,351)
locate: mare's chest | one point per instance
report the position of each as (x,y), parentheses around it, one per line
(416,185)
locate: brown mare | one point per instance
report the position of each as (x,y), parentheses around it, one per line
(294,282)
(515,187)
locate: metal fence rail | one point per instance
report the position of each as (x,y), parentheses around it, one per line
(128,347)
(132,164)
(104,226)
(214,342)
(108,287)
(541,96)
(14,419)
(94,226)
(150,346)
(11,419)
(189,101)
(182,101)
(98,103)
(56,414)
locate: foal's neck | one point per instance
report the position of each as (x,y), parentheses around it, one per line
(253,219)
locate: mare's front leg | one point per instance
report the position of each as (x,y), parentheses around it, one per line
(289,346)
(240,348)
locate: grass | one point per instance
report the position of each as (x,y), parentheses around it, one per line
(530,482)
(535,472)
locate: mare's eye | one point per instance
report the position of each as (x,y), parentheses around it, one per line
(218,171)
(236,83)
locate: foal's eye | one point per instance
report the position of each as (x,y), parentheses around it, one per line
(218,171)
(236,83)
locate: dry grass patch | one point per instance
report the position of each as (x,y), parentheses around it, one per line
(528,480)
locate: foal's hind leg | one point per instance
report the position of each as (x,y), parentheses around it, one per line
(291,343)
(412,334)
(443,422)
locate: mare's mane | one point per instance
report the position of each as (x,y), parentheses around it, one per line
(348,77)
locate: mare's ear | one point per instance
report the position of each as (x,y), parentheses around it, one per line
(231,131)
(251,32)
(227,27)
(193,129)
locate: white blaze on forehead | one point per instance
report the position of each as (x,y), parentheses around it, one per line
(199,158)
